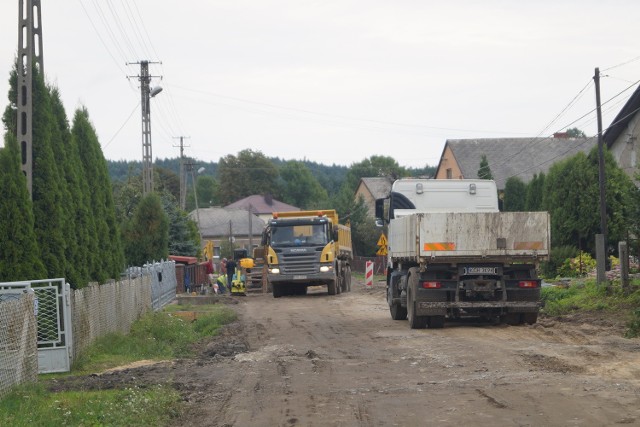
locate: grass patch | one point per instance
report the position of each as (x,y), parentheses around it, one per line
(32,405)
(156,336)
(589,296)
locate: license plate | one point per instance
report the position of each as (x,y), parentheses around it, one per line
(480,270)
(299,277)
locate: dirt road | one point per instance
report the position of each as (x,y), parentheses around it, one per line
(320,360)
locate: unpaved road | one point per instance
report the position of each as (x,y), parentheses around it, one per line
(320,360)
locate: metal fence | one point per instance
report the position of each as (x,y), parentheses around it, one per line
(95,311)
(18,347)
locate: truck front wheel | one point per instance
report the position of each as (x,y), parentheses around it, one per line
(331,287)
(277,290)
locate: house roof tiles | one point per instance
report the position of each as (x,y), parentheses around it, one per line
(520,157)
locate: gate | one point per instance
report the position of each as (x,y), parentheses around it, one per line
(53,316)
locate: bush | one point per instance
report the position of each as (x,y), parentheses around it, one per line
(556,259)
(578,266)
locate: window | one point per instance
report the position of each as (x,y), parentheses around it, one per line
(449,173)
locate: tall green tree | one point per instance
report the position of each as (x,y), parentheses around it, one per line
(207,190)
(515,194)
(109,261)
(300,188)
(19,257)
(535,192)
(166,180)
(485,171)
(48,187)
(146,235)
(247,174)
(183,232)
(126,196)
(374,166)
(74,193)
(364,233)
(571,196)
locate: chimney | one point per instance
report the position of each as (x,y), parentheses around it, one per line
(268,199)
(561,135)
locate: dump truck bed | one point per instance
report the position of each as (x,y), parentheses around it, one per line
(451,237)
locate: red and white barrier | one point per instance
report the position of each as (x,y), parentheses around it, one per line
(368,274)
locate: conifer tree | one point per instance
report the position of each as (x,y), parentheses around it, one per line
(146,235)
(485,171)
(47,185)
(515,194)
(19,254)
(535,189)
(109,259)
(76,268)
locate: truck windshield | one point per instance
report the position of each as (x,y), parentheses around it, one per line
(299,235)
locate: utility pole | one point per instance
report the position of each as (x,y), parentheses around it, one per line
(29,51)
(190,167)
(145,94)
(601,180)
(183,181)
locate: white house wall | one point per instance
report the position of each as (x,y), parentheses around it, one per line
(625,148)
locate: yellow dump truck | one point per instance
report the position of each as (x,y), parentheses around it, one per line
(307,248)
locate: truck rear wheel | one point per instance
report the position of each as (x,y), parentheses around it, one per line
(348,279)
(398,312)
(530,318)
(415,321)
(436,322)
(513,319)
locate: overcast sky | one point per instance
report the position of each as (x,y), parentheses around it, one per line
(333,81)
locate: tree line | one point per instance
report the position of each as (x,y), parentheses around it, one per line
(67,227)
(304,184)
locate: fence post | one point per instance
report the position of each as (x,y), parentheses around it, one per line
(623,251)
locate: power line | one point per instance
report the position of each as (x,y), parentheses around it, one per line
(622,64)
(123,125)
(333,116)
(533,140)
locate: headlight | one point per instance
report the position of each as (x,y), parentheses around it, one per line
(274,270)
(326,268)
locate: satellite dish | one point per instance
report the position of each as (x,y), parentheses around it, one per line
(156,90)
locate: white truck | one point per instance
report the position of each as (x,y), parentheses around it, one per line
(452,254)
